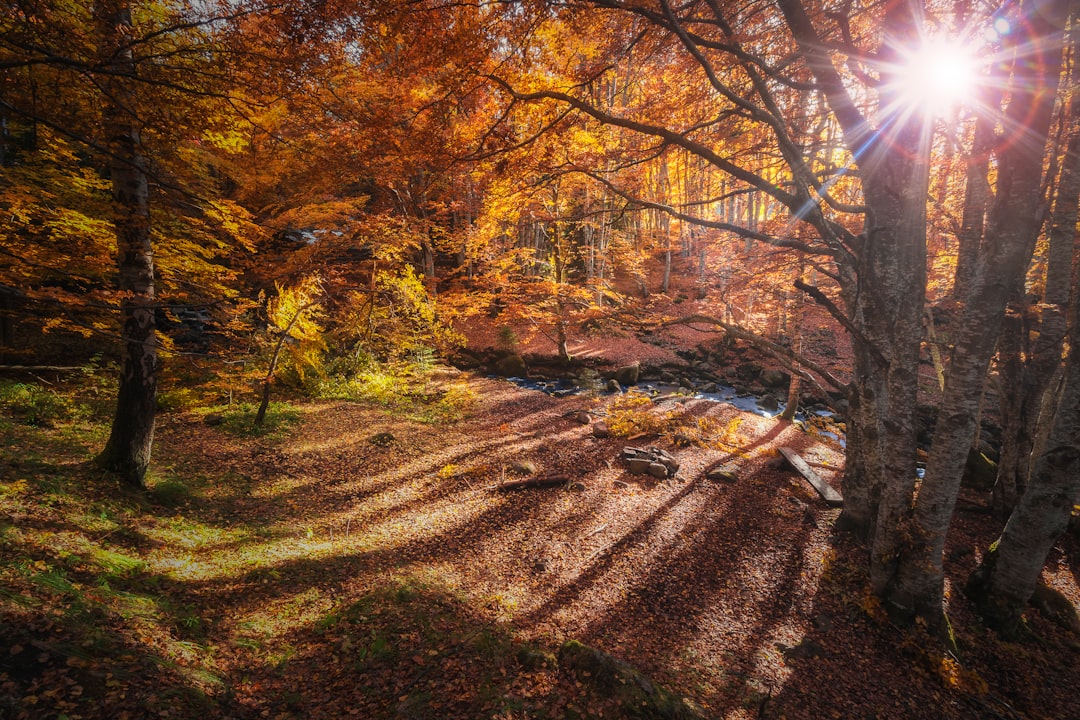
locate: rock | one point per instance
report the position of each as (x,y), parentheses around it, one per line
(577,487)
(628,374)
(214,419)
(980,472)
(748,371)
(638,696)
(512,366)
(658,470)
(686,382)
(768,402)
(806,649)
(532,658)
(719,474)
(613,386)
(774,378)
(582,417)
(1056,607)
(667,376)
(621,484)
(382,439)
(600,430)
(708,388)
(525,467)
(640,461)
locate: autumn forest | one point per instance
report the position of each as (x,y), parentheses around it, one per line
(539,359)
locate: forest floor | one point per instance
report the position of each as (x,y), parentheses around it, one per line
(360,562)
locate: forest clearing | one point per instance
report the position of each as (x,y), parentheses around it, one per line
(359,564)
(539,358)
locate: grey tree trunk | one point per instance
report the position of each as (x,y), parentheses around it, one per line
(1027,394)
(976,200)
(918,587)
(1002,585)
(127,451)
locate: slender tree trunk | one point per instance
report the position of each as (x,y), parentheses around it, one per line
(976,201)
(127,451)
(918,586)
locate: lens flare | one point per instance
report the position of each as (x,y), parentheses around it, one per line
(939,76)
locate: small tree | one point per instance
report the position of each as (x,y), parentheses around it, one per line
(294,314)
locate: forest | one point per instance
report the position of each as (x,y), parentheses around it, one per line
(539,359)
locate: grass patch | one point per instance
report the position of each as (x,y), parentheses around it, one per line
(408,389)
(239,419)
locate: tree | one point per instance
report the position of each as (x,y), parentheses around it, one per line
(127,451)
(856,203)
(122,93)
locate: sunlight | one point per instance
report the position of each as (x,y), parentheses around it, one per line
(939,76)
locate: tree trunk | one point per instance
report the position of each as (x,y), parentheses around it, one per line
(1002,585)
(918,587)
(976,200)
(127,451)
(1029,393)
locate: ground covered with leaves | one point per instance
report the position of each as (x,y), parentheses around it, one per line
(361,561)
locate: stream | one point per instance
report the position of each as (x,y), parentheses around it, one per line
(725,394)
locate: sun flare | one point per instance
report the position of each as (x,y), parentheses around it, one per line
(939,76)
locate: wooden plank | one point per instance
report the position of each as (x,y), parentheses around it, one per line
(824,489)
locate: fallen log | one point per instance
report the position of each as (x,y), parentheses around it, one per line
(544,481)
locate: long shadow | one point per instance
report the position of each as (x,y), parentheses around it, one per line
(677,591)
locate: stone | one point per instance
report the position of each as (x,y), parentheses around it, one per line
(214,419)
(577,487)
(774,378)
(637,696)
(638,466)
(769,402)
(382,439)
(613,386)
(582,417)
(512,366)
(600,430)
(980,472)
(719,474)
(658,470)
(804,650)
(525,467)
(708,388)
(628,374)
(748,371)
(532,658)
(686,382)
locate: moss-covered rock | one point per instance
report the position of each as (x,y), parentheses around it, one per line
(639,696)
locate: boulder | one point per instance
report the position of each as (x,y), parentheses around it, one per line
(768,402)
(980,472)
(748,371)
(613,386)
(774,378)
(628,374)
(601,430)
(512,366)
(638,696)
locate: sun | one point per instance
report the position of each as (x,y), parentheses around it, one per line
(938,76)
